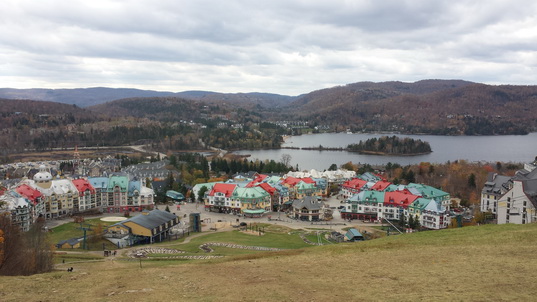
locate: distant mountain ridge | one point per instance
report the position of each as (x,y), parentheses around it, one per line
(86,97)
(445,107)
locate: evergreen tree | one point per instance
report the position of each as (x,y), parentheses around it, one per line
(471,181)
(202,192)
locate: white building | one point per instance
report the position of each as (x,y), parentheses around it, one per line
(492,191)
(519,204)
(517,197)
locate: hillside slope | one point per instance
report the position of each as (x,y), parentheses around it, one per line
(485,263)
(435,107)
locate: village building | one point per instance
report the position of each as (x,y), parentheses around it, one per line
(308,208)
(518,205)
(148,227)
(431,213)
(492,191)
(426,191)
(353,186)
(512,199)
(252,201)
(394,202)
(219,199)
(86,196)
(20,209)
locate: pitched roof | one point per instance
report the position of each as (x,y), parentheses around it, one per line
(434,206)
(371,196)
(99,182)
(399,198)
(352,233)
(255,192)
(355,183)
(265,186)
(29,192)
(118,180)
(308,202)
(421,203)
(226,189)
(380,185)
(150,220)
(83,185)
(427,191)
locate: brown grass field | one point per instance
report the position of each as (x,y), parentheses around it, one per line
(482,263)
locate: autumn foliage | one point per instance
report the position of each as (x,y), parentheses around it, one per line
(23,253)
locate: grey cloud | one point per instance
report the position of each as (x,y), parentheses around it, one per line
(239,45)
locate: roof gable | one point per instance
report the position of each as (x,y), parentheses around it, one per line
(150,220)
(226,189)
(83,185)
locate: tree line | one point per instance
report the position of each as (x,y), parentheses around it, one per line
(391,145)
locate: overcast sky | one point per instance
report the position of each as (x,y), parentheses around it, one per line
(286,47)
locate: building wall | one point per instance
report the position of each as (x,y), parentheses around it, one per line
(515,207)
(137,229)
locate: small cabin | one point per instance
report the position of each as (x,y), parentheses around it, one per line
(353,235)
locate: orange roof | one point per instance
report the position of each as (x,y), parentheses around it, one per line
(226,189)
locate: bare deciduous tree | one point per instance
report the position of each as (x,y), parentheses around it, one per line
(24,253)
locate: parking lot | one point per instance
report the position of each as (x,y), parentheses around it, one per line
(213,220)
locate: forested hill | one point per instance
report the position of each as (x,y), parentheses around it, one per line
(436,107)
(85,97)
(161,108)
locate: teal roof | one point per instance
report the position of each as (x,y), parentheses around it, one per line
(257,211)
(428,191)
(116,180)
(371,196)
(421,203)
(273,180)
(209,185)
(99,182)
(353,233)
(250,193)
(175,195)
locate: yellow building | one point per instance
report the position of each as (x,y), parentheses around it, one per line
(73,243)
(148,227)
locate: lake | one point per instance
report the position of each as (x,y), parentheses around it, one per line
(504,148)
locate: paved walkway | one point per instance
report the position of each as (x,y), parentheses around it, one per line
(211,219)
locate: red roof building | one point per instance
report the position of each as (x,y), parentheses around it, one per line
(293,181)
(380,185)
(226,189)
(83,185)
(353,186)
(265,186)
(399,199)
(30,193)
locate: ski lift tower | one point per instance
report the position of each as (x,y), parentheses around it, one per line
(85,227)
(76,160)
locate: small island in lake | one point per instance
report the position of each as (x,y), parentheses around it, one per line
(391,145)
